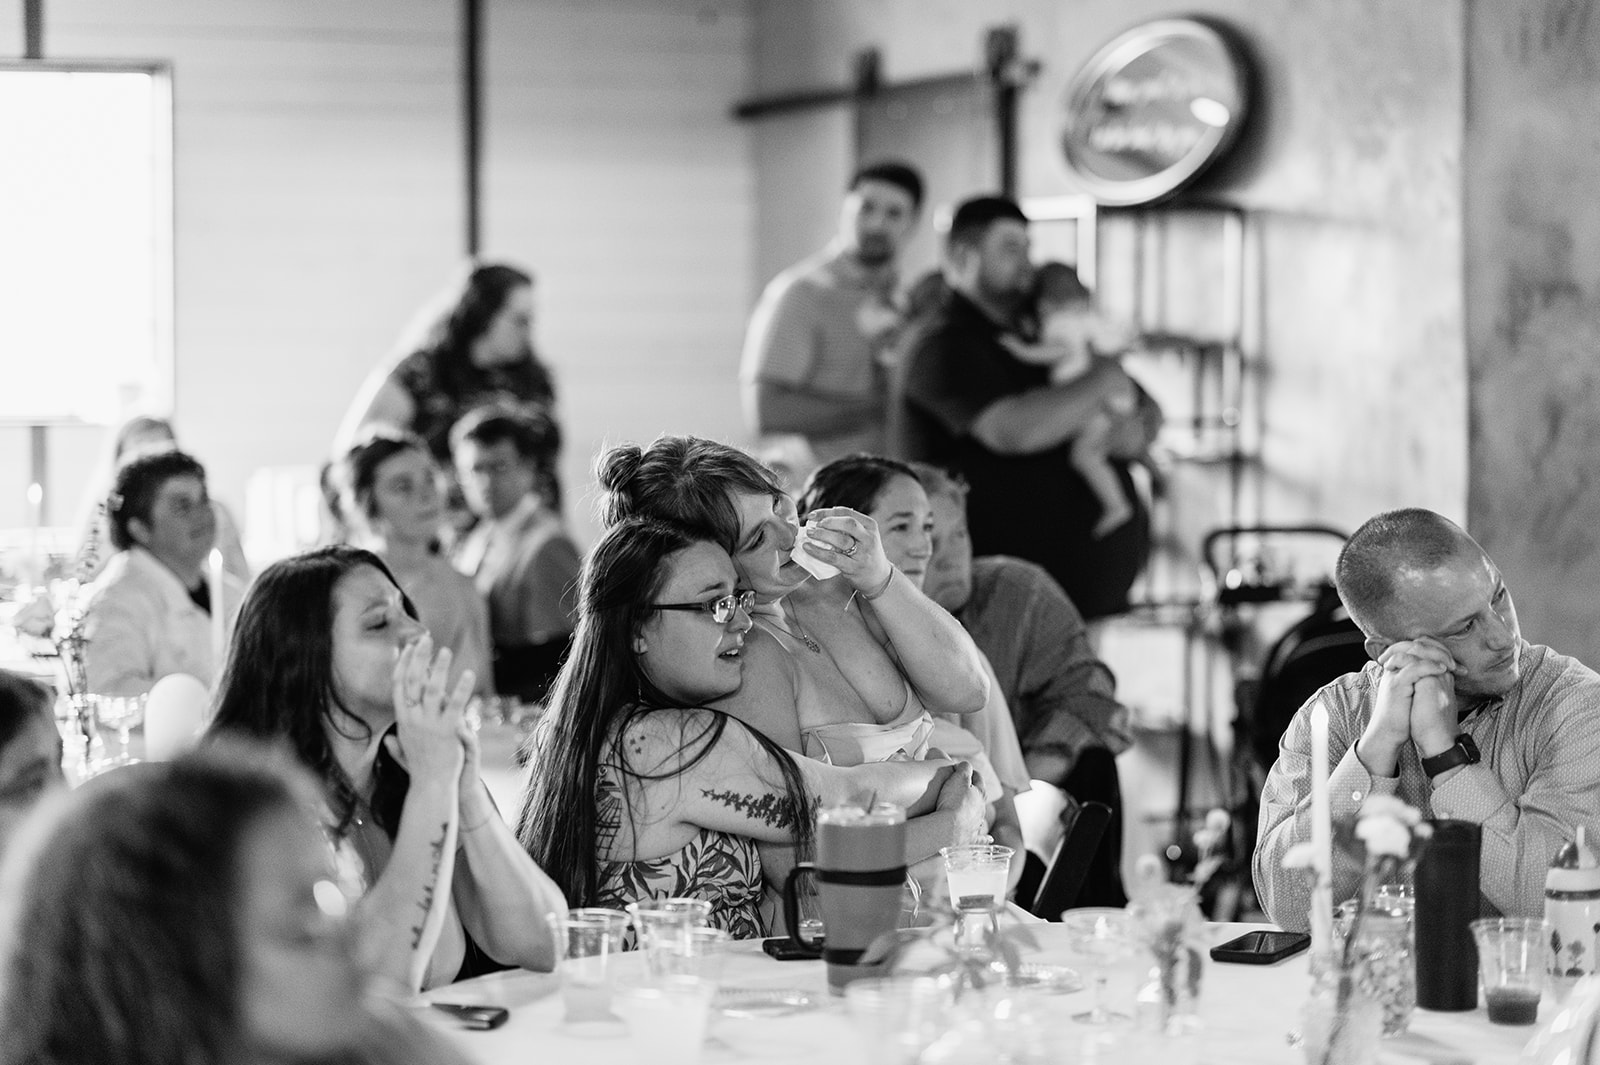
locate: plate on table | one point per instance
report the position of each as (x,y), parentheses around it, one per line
(1050,979)
(751,1002)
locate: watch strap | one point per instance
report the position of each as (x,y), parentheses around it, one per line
(1463,752)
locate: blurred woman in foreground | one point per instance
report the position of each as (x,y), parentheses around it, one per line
(187,911)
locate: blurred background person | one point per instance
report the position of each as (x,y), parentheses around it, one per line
(188,911)
(331,660)
(391,500)
(1063,699)
(136,436)
(149,613)
(30,750)
(473,345)
(519,555)
(814,361)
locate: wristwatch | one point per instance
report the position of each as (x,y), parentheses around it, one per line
(1464,752)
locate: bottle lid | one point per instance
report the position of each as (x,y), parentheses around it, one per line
(1574,867)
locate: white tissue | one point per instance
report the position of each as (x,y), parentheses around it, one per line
(810,563)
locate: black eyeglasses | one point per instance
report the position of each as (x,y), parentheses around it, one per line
(721,609)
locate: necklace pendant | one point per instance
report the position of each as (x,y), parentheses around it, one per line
(815,647)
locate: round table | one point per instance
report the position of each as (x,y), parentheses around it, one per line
(1248,1010)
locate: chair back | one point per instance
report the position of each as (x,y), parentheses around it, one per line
(1085,825)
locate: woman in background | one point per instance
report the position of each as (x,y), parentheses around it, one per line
(330,658)
(30,750)
(891,494)
(187,911)
(138,435)
(390,498)
(637,791)
(473,346)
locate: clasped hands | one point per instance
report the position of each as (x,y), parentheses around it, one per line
(1416,704)
(433,739)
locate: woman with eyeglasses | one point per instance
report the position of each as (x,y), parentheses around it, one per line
(188,911)
(639,792)
(330,658)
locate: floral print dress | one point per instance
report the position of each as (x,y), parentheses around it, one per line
(723,869)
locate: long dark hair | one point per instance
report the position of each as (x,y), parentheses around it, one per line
(685,480)
(468,308)
(600,691)
(279,680)
(122,943)
(854,481)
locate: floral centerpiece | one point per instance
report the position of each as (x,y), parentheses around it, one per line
(58,616)
(1388,835)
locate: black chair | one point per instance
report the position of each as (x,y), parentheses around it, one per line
(1085,829)
(1321,647)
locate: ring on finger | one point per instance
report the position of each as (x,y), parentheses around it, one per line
(849,551)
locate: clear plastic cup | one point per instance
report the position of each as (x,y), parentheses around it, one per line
(662,924)
(898,1016)
(1513,962)
(667,1017)
(588,942)
(976,871)
(698,952)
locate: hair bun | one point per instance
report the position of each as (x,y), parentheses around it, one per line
(616,469)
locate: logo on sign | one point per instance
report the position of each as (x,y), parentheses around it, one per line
(1152,110)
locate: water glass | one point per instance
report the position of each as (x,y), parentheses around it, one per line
(662,924)
(977,871)
(667,1018)
(898,1016)
(1104,936)
(588,942)
(1513,965)
(119,713)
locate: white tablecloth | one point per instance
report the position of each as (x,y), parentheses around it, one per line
(1248,1010)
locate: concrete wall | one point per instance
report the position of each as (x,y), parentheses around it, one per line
(319,202)
(1533,307)
(1351,176)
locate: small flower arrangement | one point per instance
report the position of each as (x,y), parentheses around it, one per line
(1389,835)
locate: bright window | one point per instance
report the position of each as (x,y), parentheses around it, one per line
(85,243)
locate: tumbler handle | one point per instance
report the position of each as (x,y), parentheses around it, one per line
(791,905)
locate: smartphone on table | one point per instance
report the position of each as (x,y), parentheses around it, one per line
(480,1017)
(1261,947)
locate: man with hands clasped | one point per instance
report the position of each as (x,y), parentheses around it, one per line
(1456,714)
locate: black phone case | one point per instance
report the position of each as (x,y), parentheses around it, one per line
(1290,944)
(784,949)
(481,1018)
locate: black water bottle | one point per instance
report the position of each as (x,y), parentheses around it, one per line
(1447,904)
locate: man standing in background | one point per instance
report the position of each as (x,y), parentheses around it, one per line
(965,402)
(814,360)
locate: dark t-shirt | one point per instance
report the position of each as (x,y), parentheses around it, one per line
(1037,506)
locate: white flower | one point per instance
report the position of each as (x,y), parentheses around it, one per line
(1389,806)
(1384,835)
(1299,856)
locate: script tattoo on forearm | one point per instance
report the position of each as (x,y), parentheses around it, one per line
(775,811)
(428,889)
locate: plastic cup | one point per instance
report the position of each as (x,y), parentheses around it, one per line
(1513,960)
(667,1018)
(662,924)
(977,870)
(898,1016)
(698,952)
(588,942)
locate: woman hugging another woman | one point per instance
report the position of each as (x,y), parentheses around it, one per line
(638,791)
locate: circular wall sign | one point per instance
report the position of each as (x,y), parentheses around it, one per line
(1152,110)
